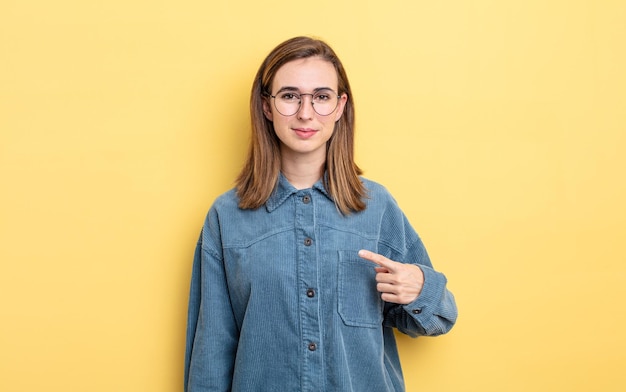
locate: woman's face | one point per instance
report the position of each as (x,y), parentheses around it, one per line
(304,134)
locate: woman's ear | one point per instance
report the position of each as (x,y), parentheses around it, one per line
(267,110)
(342,104)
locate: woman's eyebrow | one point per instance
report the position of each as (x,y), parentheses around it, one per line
(295,89)
(287,88)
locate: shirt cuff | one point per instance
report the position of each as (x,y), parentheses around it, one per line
(423,308)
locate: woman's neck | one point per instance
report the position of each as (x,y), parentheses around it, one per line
(302,172)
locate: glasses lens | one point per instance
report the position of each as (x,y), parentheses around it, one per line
(324,102)
(287,103)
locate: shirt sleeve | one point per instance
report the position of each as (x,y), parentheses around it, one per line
(434,311)
(212,332)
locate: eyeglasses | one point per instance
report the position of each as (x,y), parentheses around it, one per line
(324,101)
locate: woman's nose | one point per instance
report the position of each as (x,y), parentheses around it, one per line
(306,110)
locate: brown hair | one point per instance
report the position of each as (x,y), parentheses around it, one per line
(260,172)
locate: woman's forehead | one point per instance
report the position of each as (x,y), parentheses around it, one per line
(307,73)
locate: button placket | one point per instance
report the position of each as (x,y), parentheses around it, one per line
(308,271)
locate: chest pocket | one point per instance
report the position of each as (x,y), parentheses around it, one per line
(359,303)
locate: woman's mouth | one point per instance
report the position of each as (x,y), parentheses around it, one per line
(304,133)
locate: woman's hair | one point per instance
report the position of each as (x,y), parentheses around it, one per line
(259,175)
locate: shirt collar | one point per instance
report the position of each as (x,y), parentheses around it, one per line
(284,189)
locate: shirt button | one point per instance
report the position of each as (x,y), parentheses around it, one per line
(306,199)
(312,346)
(310,293)
(308,242)
(417,311)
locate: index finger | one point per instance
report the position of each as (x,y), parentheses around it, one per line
(377,259)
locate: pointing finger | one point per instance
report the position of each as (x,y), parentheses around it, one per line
(377,259)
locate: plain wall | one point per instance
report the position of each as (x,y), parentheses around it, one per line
(499,126)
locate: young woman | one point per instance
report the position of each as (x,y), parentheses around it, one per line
(303,270)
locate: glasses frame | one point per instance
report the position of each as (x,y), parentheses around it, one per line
(312,103)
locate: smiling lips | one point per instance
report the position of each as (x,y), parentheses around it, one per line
(304,133)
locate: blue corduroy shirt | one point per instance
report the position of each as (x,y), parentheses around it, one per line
(280,300)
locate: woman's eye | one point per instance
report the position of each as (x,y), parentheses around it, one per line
(322,97)
(289,97)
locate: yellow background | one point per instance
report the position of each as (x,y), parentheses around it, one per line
(500,127)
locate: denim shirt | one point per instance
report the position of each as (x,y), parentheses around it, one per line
(280,300)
